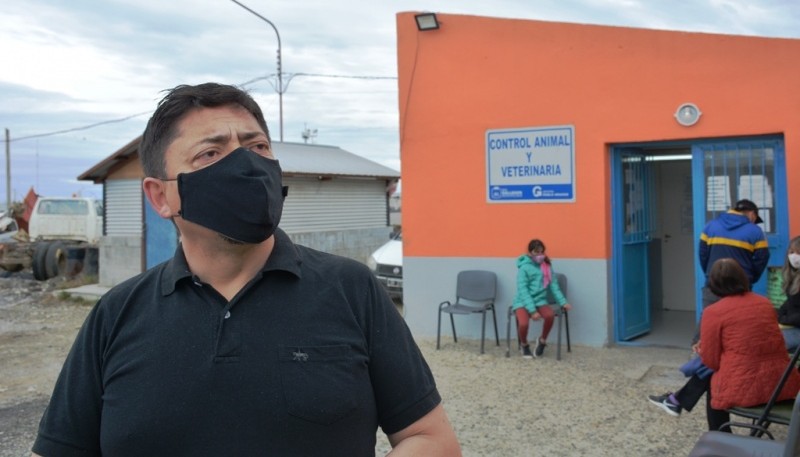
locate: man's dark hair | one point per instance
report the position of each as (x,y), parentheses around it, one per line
(727,277)
(162,128)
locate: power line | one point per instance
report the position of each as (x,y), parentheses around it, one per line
(75,129)
(316,75)
(251,81)
(320,75)
(291,76)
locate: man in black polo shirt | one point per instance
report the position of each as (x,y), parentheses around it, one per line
(243,343)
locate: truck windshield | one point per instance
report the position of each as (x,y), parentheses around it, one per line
(64,207)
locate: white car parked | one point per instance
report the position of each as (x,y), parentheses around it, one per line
(387,264)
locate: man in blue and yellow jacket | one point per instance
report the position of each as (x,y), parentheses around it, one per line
(735,234)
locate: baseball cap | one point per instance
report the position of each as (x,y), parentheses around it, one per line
(747,205)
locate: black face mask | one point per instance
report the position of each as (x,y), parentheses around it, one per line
(240,196)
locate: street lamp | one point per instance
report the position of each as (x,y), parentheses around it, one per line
(280,71)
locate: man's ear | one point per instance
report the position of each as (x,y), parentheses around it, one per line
(155,191)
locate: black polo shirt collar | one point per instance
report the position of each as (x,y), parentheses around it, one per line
(284,257)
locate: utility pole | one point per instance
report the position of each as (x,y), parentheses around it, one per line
(8,172)
(280,69)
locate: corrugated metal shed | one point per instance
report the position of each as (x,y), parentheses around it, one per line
(297,159)
(320,160)
(337,203)
(123,207)
(315,205)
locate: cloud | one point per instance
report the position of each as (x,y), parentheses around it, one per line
(78,63)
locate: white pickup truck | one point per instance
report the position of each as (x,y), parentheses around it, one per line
(60,229)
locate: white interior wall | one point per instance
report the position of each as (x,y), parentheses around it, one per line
(676,235)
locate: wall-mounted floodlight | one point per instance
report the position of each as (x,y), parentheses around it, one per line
(427,21)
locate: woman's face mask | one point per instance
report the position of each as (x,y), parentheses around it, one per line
(538,258)
(794,260)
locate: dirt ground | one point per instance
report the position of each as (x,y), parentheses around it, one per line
(36,332)
(481,392)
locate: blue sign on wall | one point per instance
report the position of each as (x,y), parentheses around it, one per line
(534,164)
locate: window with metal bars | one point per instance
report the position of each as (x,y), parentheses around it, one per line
(737,171)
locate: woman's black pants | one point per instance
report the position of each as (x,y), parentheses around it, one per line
(690,394)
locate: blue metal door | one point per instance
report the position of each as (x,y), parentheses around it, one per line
(633,220)
(725,172)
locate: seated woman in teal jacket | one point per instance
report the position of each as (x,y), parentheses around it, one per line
(535,277)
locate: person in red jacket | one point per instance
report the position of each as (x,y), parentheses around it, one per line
(741,342)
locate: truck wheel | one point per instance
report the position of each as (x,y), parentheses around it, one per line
(55,263)
(39,255)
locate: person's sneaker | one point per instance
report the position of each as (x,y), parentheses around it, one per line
(663,402)
(539,348)
(526,352)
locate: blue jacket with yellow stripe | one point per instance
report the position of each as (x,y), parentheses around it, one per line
(733,235)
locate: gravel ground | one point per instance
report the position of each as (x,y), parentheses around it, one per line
(591,403)
(36,331)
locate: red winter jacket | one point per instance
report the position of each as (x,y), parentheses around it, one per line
(740,340)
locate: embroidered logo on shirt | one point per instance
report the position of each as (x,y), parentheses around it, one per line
(299,356)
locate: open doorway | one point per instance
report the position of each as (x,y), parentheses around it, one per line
(662,197)
(671,250)
(653,245)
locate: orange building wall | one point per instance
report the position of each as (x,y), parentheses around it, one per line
(614,84)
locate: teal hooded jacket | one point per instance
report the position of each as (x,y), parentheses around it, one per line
(531,293)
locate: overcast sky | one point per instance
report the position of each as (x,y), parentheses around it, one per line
(82,66)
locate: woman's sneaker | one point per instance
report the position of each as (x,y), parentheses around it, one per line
(539,348)
(663,402)
(526,352)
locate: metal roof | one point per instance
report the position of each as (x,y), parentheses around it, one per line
(100,171)
(295,158)
(322,160)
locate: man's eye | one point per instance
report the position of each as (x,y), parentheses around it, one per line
(260,147)
(207,157)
